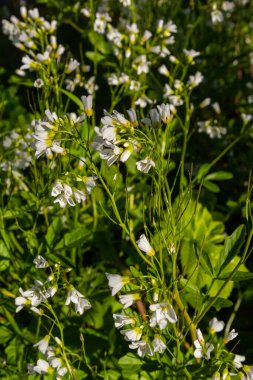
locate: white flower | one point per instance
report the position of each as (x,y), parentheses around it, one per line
(77,298)
(128,299)
(64,194)
(143,101)
(89,183)
(32,297)
(162,313)
(154,120)
(72,65)
(216,326)
(116,282)
(132,334)
(79,196)
(206,102)
(38,83)
(121,320)
(202,349)
(141,64)
(42,367)
(158,344)
(165,112)
(230,336)
(191,54)
(86,12)
(43,344)
(87,102)
(144,245)
(143,348)
(195,80)
(238,359)
(40,262)
(217,16)
(101,21)
(145,165)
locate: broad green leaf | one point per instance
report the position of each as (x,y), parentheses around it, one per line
(232,246)
(94,56)
(72,97)
(211,186)
(219,176)
(73,239)
(130,362)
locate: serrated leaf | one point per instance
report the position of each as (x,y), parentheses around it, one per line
(219,176)
(232,246)
(211,186)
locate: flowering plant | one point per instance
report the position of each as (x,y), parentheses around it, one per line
(120,253)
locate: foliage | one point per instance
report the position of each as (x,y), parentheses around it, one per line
(126,136)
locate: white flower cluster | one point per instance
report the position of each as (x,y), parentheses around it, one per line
(33,297)
(36,37)
(126,40)
(112,141)
(139,331)
(26,34)
(49,132)
(80,302)
(21,157)
(53,364)
(211,129)
(64,195)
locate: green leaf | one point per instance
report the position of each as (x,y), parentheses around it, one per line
(211,186)
(130,362)
(60,259)
(238,276)
(203,170)
(4,256)
(99,42)
(232,246)
(73,239)
(5,334)
(72,97)
(135,272)
(222,302)
(53,230)
(94,56)
(219,176)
